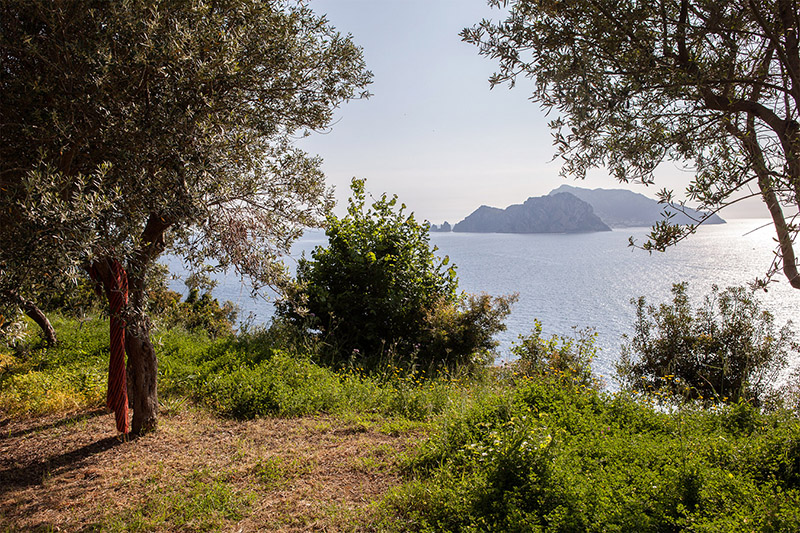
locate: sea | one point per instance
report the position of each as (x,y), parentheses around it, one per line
(573,282)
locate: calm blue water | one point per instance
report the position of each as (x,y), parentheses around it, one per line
(584,280)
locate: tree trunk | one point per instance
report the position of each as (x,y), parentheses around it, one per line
(37,315)
(141,369)
(142,377)
(142,362)
(110,273)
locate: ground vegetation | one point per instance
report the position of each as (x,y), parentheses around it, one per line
(253,437)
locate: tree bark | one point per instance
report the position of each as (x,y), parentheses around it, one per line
(142,374)
(37,315)
(142,369)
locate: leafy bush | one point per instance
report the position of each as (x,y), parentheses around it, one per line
(537,356)
(726,350)
(463,330)
(378,294)
(198,312)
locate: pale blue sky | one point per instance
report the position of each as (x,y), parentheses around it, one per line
(433,133)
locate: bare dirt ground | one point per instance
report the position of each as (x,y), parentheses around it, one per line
(197,472)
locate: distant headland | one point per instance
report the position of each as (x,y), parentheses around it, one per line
(570,209)
(620,208)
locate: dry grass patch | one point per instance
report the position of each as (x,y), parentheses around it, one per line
(199,472)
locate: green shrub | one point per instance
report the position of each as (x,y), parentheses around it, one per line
(460,333)
(537,356)
(199,312)
(726,350)
(377,294)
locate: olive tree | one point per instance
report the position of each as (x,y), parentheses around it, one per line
(40,234)
(155,123)
(712,84)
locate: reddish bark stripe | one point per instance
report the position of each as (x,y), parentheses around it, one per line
(116,285)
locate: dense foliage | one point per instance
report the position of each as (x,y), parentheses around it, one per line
(726,350)
(129,126)
(536,355)
(709,84)
(377,293)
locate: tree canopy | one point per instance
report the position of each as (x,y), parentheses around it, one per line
(192,108)
(713,85)
(126,127)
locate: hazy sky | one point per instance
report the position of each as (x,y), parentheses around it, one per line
(433,133)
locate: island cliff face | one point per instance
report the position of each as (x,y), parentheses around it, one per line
(620,208)
(556,213)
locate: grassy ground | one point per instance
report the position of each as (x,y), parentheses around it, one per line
(199,472)
(252,438)
(249,438)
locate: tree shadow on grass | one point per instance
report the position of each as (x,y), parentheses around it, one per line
(36,472)
(71,419)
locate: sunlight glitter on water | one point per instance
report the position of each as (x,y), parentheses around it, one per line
(582,280)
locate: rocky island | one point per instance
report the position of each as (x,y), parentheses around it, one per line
(555,213)
(443,228)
